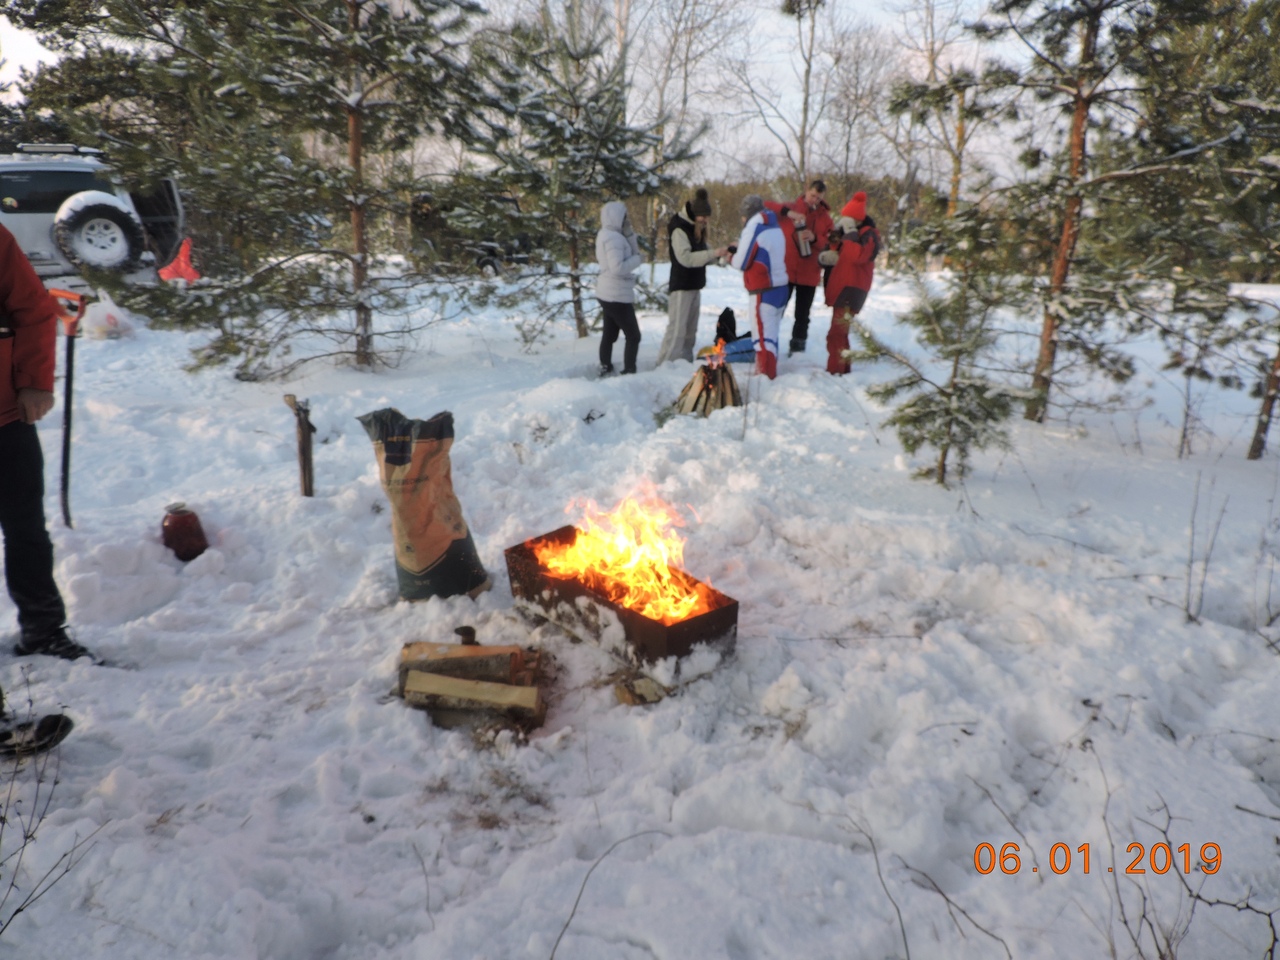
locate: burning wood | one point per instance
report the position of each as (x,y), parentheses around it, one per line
(712,386)
(628,556)
(617,581)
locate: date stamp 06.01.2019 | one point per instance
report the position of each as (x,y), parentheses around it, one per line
(1160,859)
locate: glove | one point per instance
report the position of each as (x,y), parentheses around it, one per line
(829,258)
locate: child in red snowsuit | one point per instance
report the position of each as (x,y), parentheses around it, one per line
(851,256)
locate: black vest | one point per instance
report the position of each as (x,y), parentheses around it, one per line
(682,277)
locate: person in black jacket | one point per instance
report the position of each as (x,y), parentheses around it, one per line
(687,237)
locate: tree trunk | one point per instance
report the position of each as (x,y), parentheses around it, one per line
(1259,445)
(806,54)
(359,234)
(1042,379)
(575,287)
(957,158)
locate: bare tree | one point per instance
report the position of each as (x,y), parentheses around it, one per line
(945,98)
(852,140)
(677,67)
(793,114)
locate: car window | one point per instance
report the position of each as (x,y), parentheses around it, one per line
(42,191)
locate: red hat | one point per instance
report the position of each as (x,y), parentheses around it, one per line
(857,207)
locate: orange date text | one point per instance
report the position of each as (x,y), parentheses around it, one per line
(1160,858)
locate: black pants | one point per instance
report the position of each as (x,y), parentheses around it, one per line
(620,317)
(804,303)
(28,551)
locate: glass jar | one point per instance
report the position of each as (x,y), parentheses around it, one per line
(182,533)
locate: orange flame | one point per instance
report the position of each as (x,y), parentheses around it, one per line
(632,557)
(716,359)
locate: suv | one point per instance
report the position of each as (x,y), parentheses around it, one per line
(59,202)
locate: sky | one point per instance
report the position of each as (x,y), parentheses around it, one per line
(918,671)
(18,49)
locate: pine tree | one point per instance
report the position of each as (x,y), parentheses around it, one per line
(1209,91)
(950,399)
(570,146)
(1078,60)
(273,111)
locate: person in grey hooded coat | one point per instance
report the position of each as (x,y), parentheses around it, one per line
(618,253)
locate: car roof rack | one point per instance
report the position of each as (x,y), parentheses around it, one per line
(58,148)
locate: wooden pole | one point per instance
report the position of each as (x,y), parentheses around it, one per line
(306,473)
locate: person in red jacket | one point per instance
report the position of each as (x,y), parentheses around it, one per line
(28,338)
(851,255)
(807,223)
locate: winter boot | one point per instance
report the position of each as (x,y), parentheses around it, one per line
(797,346)
(24,739)
(55,643)
(606,370)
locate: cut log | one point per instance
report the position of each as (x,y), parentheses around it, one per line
(638,692)
(496,664)
(433,691)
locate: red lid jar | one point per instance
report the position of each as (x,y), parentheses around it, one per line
(182,533)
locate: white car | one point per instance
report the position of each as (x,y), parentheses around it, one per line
(59,202)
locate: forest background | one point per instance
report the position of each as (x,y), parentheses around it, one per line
(1067,175)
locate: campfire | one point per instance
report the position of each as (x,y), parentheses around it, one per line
(631,556)
(712,386)
(617,579)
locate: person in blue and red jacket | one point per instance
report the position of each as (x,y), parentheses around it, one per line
(807,224)
(28,341)
(761,255)
(852,258)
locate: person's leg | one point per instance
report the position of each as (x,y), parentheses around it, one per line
(768,323)
(667,349)
(800,328)
(28,551)
(838,341)
(610,335)
(631,330)
(690,310)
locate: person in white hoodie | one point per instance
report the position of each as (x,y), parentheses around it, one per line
(618,253)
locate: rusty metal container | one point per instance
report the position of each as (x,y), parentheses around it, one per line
(585,614)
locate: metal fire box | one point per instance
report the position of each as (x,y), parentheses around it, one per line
(578,609)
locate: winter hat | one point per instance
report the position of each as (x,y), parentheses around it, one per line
(752,204)
(856,207)
(700,206)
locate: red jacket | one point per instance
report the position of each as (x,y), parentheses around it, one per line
(805,271)
(856,267)
(28,358)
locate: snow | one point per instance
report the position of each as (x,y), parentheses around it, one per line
(921,669)
(91,198)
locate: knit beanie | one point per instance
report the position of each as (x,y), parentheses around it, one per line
(700,206)
(856,207)
(752,204)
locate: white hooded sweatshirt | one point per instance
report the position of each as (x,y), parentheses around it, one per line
(618,253)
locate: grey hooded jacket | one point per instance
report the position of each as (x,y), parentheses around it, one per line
(618,253)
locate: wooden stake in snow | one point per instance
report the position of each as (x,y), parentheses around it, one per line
(306,473)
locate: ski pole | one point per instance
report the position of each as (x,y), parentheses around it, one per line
(70,327)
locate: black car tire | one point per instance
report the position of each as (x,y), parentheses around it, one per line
(101,237)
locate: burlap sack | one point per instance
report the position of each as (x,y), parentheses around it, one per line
(435,555)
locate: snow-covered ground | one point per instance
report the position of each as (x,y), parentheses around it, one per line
(918,671)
